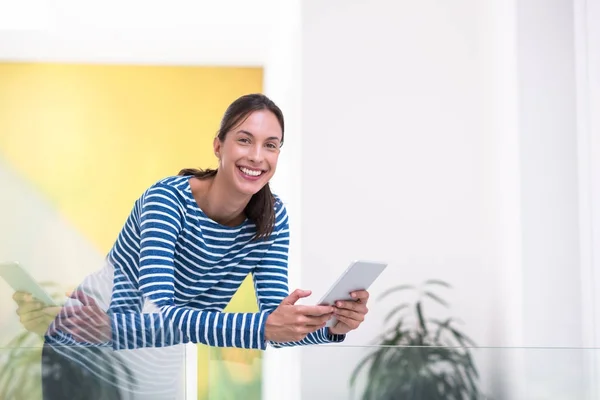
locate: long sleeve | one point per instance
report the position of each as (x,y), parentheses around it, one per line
(271,281)
(161,220)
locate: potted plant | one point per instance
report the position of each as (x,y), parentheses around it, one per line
(419,357)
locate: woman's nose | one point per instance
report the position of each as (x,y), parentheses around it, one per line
(256,154)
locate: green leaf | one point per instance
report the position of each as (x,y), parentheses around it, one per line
(442,326)
(395,289)
(437,282)
(363,364)
(421,319)
(436,298)
(462,339)
(395,310)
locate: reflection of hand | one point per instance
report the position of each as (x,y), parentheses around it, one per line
(350,314)
(34,315)
(290,322)
(86,322)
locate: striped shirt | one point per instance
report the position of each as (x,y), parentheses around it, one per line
(167,280)
(189,266)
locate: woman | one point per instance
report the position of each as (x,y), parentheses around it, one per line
(188,244)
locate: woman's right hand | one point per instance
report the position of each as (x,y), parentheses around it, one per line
(34,315)
(291,323)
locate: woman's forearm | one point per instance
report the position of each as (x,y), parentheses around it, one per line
(176,325)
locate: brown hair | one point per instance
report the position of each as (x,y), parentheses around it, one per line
(261,207)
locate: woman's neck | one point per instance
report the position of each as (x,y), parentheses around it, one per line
(218,203)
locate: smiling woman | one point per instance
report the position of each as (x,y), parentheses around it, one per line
(185,249)
(247,146)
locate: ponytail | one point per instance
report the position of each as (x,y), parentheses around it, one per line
(198,173)
(261,211)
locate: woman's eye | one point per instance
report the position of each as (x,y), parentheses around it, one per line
(244,140)
(271,146)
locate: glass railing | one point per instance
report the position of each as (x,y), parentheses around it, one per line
(335,371)
(345,372)
(36,372)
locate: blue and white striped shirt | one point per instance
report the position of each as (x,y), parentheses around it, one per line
(190,267)
(166,281)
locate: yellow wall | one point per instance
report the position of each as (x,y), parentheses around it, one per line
(91,138)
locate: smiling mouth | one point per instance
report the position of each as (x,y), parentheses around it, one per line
(251,172)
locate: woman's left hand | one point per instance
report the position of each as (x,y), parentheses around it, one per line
(350,313)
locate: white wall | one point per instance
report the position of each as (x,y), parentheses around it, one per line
(184,32)
(392,160)
(442,138)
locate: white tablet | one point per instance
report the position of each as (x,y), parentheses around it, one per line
(358,276)
(21,281)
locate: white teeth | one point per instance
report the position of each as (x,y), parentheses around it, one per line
(250,172)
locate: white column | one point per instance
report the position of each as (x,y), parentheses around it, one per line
(593,52)
(587,52)
(501,115)
(552,303)
(281,367)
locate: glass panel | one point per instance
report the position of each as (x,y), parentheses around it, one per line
(234,374)
(77,372)
(423,373)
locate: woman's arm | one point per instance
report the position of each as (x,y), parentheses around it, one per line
(271,281)
(161,220)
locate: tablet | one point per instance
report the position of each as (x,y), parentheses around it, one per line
(358,276)
(21,281)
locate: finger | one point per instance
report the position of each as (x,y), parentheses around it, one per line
(27,308)
(65,311)
(361,295)
(306,329)
(295,296)
(349,305)
(314,321)
(81,311)
(353,315)
(40,326)
(32,316)
(20,297)
(314,310)
(316,328)
(352,324)
(51,311)
(39,320)
(84,298)
(35,319)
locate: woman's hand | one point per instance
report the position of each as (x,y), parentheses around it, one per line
(34,315)
(85,322)
(350,314)
(291,323)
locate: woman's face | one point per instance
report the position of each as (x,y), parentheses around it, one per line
(248,155)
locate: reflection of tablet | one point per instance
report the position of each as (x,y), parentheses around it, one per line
(358,276)
(21,281)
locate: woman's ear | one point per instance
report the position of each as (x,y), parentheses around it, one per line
(217,147)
